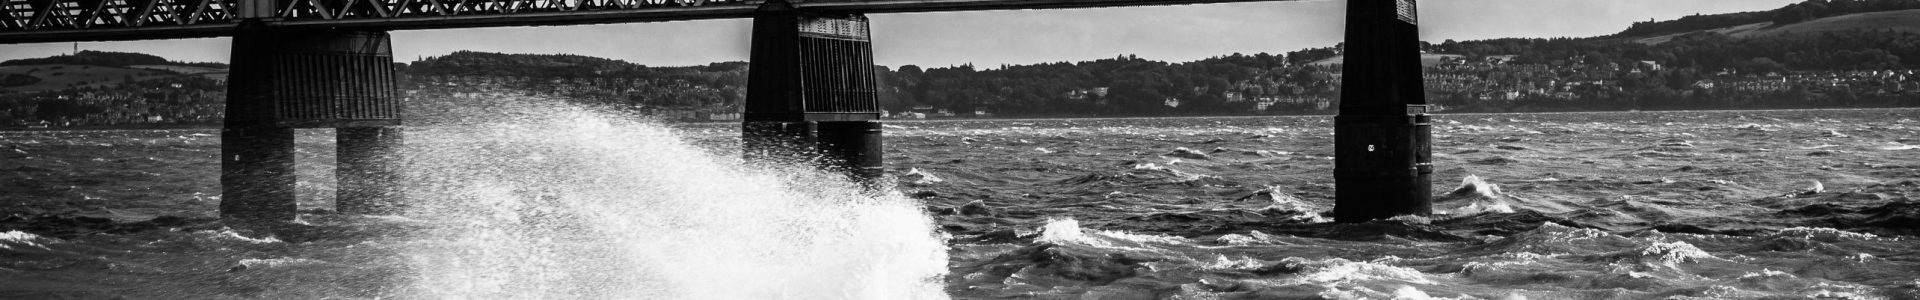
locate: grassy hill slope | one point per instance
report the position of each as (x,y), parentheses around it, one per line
(1900,21)
(96,69)
(62,76)
(1426,59)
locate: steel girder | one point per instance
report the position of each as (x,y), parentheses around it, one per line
(37,21)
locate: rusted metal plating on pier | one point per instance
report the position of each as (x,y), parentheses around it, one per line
(298,78)
(1382,138)
(810,91)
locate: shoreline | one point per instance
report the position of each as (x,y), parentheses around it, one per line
(991,119)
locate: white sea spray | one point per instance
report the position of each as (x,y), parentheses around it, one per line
(563,202)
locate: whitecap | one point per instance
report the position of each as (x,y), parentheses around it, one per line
(1824,234)
(252,263)
(1183,152)
(229,235)
(1061,231)
(1673,253)
(1340,270)
(1068,231)
(12,238)
(916,176)
(1765,273)
(1235,239)
(1479,197)
(1221,262)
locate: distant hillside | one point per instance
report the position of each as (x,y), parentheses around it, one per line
(1427,60)
(472,63)
(535,65)
(48,77)
(97,69)
(1906,21)
(1899,21)
(1787,15)
(106,59)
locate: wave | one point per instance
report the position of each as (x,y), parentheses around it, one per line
(562,202)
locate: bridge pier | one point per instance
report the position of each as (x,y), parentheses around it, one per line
(286,79)
(367,173)
(1382,137)
(810,92)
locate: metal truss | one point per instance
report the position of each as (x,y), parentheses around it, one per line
(30,21)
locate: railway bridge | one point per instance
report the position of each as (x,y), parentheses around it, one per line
(329,64)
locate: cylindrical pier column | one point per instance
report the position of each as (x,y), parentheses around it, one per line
(256,154)
(1382,154)
(1382,167)
(368,172)
(310,78)
(853,147)
(256,171)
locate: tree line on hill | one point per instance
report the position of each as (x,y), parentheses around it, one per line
(1792,13)
(1133,86)
(107,59)
(1840,50)
(1120,86)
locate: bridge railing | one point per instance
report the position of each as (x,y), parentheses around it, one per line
(81,20)
(31,15)
(39,21)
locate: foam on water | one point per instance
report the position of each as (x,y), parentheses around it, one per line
(279,262)
(1473,197)
(563,202)
(1673,253)
(1068,231)
(1335,271)
(16,238)
(227,234)
(1824,234)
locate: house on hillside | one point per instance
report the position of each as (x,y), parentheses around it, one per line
(1703,84)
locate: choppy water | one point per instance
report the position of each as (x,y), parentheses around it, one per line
(565,203)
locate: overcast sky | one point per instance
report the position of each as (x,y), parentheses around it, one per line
(990,38)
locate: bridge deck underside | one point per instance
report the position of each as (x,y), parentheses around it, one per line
(42,21)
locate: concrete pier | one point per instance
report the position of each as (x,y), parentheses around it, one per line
(287,79)
(810,91)
(1382,137)
(256,173)
(368,173)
